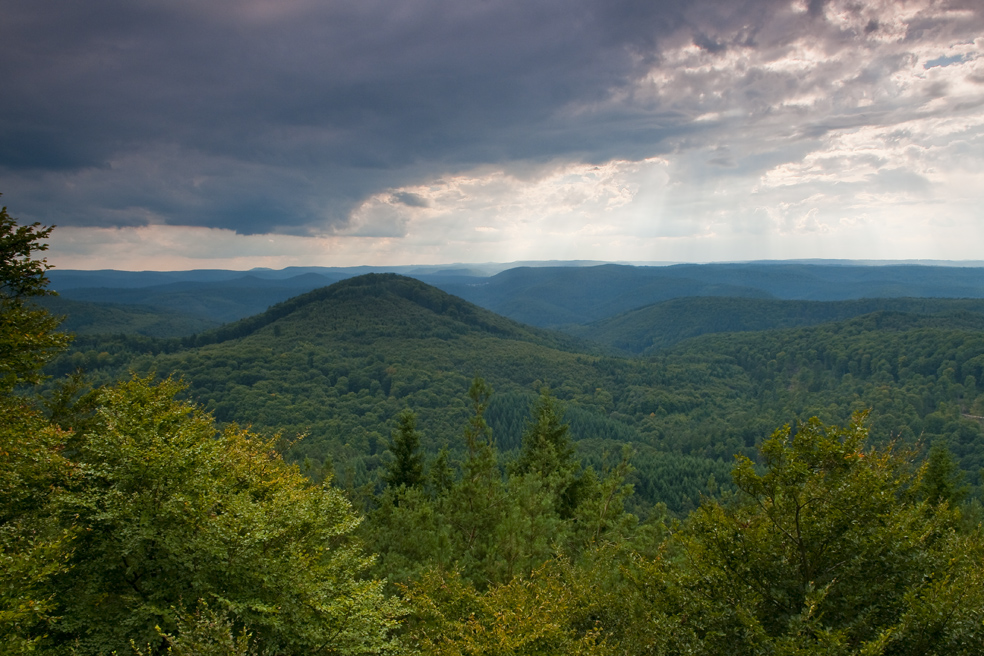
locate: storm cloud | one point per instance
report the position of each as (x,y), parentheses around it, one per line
(385,120)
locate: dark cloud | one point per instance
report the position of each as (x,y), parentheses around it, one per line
(410,199)
(279,116)
(345,94)
(704,42)
(36,147)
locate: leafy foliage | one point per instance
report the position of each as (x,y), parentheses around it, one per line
(826,548)
(491,528)
(125,511)
(827,551)
(165,515)
(205,633)
(32,551)
(28,337)
(540,615)
(21,273)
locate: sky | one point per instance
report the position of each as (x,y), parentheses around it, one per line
(180,134)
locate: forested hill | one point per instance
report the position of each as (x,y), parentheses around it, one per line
(339,364)
(378,305)
(318,362)
(87,318)
(559,296)
(661,325)
(217,300)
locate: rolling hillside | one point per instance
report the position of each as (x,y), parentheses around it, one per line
(339,363)
(558,296)
(86,318)
(658,326)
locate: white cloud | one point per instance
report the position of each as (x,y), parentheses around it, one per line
(560,201)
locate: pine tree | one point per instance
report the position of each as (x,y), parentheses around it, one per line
(407,468)
(475,504)
(547,448)
(549,453)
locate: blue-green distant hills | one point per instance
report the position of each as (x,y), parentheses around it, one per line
(557,296)
(545,296)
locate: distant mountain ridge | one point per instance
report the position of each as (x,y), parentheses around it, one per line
(217,301)
(553,297)
(544,296)
(64,279)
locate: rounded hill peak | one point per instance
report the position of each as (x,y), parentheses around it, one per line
(375,305)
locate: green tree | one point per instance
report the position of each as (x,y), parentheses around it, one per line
(825,551)
(474,505)
(407,468)
(547,447)
(440,478)
(409,533)
(32,465)
(600,515)
(120,524)
(942,480)
(167,514)
(549,453)
(28,336)
(529,531)
(205,633)
(547,614)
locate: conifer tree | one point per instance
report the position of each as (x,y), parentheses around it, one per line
(475,504)
(441,476)
(549,453)
(407,468)
(547,448)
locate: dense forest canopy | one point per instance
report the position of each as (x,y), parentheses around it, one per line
(422,475)
(339,364)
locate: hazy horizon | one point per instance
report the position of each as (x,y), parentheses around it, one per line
(496,267)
